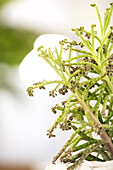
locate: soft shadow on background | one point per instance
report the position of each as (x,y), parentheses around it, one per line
(23,120)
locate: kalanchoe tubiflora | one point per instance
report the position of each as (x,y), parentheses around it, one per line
(88,77)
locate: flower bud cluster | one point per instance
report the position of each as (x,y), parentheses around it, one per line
(111,37)
(104,48)
(63,103)
(73,69)
(74,85)
(93,5)
(81,30)
(50,134)
(80,109)
(63,90)
(86,59)
(30,91)
(52,93)
(109,68)
(63,66)
(81,44)
(42,87)
(88,35)
(63,42)
(98,129)
(65,125)
(54,109)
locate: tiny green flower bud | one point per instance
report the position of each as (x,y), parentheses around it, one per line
(111,3)
(73,29)
(111,27)
(93,5)
(107,9)
(74,43)
(39,48)
(93,25)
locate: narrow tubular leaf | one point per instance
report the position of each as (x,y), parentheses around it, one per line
(88,117)
(84,41)
(66,111)
(98,39)
(108,118)
(56,122)
(61,68)
(96,107)
(105,102)
(107,46)
(70,52)
(92,36)
(110,50)
(100,21)
(38,85)
(107,126)
(82,146)
(74,74)
(78,57)
(77,139)
(108,19)
(104,154)
(105,21)
(102,42)
(90,149)
(66,144)
(91,82)
(82,51)
(53,66)
(86,63)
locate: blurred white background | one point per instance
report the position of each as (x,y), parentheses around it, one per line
(48,16)
(24,120)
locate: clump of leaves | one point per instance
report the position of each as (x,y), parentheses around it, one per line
(89,79)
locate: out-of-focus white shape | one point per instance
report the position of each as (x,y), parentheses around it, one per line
(56,167)
(48,16)
(86,165)
(34,68)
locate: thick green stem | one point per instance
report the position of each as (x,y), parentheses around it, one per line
(103,133)
(109,83)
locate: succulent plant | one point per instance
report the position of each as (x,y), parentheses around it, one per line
(88,78)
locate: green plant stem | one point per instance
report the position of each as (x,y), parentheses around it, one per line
(56,122)
(94,36)
(38,85)
(107,126)
(77,57)
(100,21)
(104,155)
(103,135)
(110,49)
(61,68)
(84,63)
(109,83)
(66,144)
(82,146)
(66,110)
(70,52)
(82,51)
(79,161)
